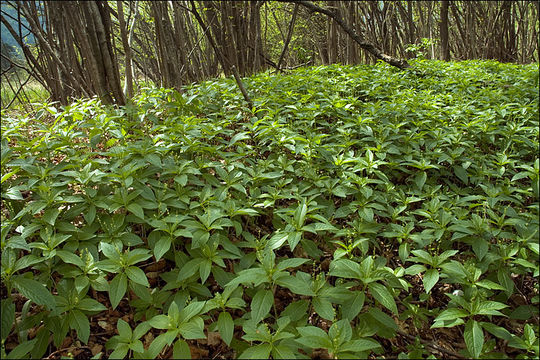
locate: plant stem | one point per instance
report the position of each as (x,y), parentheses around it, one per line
(274,287)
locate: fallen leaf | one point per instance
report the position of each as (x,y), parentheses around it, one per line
(213,338)
(320,354)
(197,352)
(96,349)
(76,351)
(148,338)
(105,325)
(160,265)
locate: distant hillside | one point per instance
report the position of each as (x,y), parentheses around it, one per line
(10,13)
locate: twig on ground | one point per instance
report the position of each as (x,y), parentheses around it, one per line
(66,349)
(431,345)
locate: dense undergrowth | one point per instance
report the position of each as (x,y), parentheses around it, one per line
(354,212)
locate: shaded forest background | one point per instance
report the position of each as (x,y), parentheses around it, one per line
(110,49)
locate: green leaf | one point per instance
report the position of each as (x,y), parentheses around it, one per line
(192,329)
(159,342)
(26,261)
(454,270)
(488,284)
(70,258)
(340,331)
(497,331)
(8,317)
(420,179)
(415,269)
(490,308)
(238,137)
(88,304)
(352,307)
(296,310)
(181,350)
(90,215)
(312,331)
(225,326)
(162,246)
(204,270)
(160,322)
(474,338)
(423,256)
(21,350)
(141,329)
(277,240)
(124,330)
(110,251)
(294,238)
(136,209)
(50,215)
(135,274)
(137,255)
(261,304)
(248,276)
(257,352)
(131,239)
(282,351)
(80,323)
(192,309)
(461,173)
(117,289)
(430,279)
(34,291)
(137,346)
(383,296)
(290,263)
(189,269)
(300,214)
(524,312)
(451,314)
(323,308)
(445,255)
(120,351)
(345,268)
(480,248)
(506,281)
(382,318)
(296,285)
(359,345)
(314,337)
(40,346)
(520,176)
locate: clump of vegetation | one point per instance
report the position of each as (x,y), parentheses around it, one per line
(355,211)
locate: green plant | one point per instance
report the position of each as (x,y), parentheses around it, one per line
(333,218)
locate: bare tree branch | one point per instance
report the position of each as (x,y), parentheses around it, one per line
(369,47)
(289,36)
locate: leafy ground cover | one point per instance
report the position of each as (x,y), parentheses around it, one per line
(354,212)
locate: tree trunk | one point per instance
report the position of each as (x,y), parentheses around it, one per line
(128,87)
(445,50)
(289,36)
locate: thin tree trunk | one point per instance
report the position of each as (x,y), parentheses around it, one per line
(289,36)
(130,44)
(445,50)
(128,87)
(112,78)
